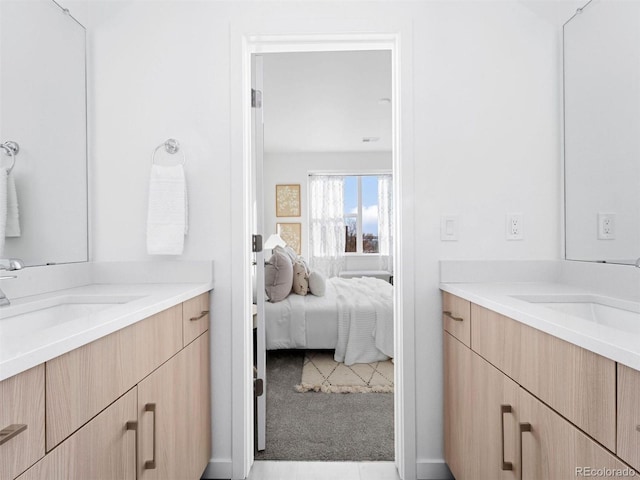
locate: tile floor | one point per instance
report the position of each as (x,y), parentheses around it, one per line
(273,470)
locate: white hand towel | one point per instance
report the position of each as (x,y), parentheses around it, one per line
(13,213)
(167,215)
(3,206)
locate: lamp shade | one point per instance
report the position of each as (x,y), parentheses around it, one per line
(274,241)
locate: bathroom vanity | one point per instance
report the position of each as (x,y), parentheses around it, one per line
(123,390)
(535,388)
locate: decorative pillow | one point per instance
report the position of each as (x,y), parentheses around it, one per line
(317,284)
(300,277)
(278,276)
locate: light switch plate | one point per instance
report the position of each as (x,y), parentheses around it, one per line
(449,225)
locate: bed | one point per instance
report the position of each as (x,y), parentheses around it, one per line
(354,317)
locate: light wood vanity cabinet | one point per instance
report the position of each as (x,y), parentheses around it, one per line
(562,395)
(21,422)
(133,404)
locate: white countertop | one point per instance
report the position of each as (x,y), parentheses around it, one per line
(620,346)
(21,349)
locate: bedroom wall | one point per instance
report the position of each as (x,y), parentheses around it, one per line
(486,84)
(285,168)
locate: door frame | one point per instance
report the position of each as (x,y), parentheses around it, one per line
(403,182)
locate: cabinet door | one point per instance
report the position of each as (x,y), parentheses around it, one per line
(174,416)
(577,383)
(457,407)
(103,449)
(21,404)
(629,415)
(554,449)
(494,399)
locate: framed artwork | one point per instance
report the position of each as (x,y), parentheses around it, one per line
(288,200)
(291,233)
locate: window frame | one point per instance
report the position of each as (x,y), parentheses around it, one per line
(358,215)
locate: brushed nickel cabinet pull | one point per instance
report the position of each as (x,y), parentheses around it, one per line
(151,464)
(202,314)
(450,315)
(524,427)
(11,431)
(504,409)
(133,425)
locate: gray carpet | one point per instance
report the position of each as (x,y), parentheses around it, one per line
(323,426)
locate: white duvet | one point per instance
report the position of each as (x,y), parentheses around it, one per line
(355,317)
(365,320)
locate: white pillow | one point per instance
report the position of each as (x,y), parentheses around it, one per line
(317,284)
(278,276)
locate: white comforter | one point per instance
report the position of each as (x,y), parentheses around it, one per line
(355,317)
(365,320)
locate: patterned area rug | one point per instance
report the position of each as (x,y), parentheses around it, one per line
(321,373)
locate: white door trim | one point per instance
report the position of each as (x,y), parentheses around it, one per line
(402,126)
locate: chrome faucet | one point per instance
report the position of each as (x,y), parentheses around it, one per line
(9,264)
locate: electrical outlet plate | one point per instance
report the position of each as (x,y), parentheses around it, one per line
(515,226)
(606,226)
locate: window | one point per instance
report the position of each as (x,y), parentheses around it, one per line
(361,214)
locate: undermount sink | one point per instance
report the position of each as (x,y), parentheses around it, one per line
(43,314)
(610,312)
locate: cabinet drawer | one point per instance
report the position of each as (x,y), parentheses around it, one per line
(195,317)
(629,415)
(555,449)
(577,383)
(103,449)
(456,317)
(22,403)
(84,381)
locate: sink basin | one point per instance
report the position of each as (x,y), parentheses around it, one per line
(43,314)
(610,312)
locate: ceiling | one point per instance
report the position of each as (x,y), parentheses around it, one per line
(327,101)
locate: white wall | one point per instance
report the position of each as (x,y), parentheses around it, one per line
(486,122)
(286,168)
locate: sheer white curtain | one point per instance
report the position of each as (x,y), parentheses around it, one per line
(385,222)
(326,223)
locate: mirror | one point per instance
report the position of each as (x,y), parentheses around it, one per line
(602,132)
(43,110)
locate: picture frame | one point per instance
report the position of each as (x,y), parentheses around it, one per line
(292,234)
(288,200)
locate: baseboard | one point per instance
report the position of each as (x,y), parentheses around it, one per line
(432,470)
(219,469)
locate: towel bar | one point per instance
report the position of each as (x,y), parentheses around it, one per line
(171,146)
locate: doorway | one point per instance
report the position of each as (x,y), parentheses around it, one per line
(404,396)
(326,117)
